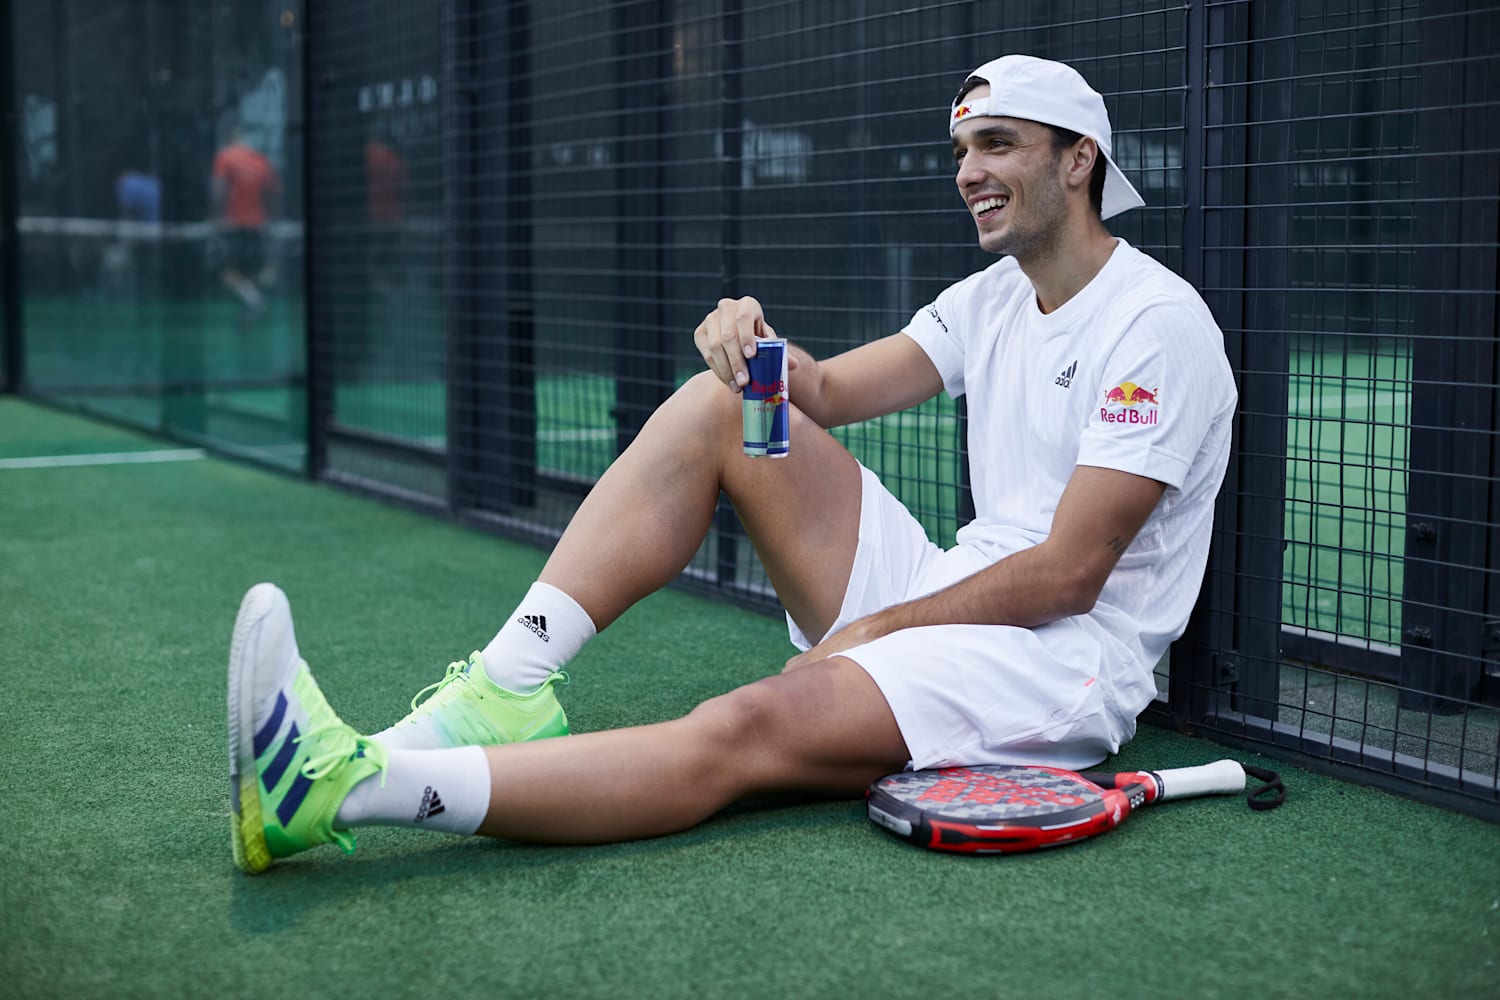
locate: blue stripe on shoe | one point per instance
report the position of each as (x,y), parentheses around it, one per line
(267,733)
(278,766)
(294,796)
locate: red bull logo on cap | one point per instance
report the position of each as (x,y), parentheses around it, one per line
(1128,403)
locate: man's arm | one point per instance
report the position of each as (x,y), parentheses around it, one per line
(1098,516)
(874,379)
(884,376)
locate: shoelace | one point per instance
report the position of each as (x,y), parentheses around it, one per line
(337,745)
(458,671)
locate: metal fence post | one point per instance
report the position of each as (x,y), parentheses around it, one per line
(183,406)
(12,336)
(731,123)
(318,383)
(1192,672)
(491,410)
(1263,361)
(1450,532)
(644,376)
(1239,655)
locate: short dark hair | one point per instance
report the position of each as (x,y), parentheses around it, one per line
(969,85)
(1061,139)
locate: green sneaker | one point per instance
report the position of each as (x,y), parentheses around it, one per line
(466,708)
(292,761)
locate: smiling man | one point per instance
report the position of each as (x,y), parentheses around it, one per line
(1099,404)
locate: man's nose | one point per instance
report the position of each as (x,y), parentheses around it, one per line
(968,175)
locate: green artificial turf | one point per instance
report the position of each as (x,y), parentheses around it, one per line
(118,588)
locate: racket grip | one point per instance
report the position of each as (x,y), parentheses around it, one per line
(1219,778)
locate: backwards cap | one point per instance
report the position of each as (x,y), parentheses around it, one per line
(1051,93)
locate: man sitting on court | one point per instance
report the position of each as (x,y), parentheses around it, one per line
(1099,404)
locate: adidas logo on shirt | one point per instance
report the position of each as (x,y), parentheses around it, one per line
(431,804)
(1066,378)
(537,624)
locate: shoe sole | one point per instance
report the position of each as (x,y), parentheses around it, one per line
(247,835)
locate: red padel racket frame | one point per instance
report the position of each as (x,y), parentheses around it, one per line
(1011,809)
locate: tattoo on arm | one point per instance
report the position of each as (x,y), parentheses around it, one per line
(1118,544)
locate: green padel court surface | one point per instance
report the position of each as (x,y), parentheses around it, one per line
(118,588)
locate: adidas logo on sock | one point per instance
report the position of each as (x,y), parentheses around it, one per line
(431,804)
(537,624)
(1066,378)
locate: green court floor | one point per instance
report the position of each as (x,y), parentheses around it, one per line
(1347,444)
(118,587)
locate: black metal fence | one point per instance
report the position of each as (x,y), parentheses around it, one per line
(515,213)
(114,251)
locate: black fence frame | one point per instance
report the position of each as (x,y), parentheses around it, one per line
(1222,678)
(1452,500)
(12,357)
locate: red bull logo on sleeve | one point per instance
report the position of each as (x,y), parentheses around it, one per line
(1128,403)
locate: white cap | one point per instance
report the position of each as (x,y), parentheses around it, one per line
(1051,93)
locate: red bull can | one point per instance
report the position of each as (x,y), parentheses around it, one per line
(766,411)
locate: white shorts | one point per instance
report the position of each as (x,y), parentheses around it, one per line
(982,694)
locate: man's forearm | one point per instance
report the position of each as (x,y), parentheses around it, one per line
(1029,588)
(806,389)
(1025,589)
(872,380)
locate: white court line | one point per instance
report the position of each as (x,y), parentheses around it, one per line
(1320,403)
(108,458)
(578,434)
(552,437)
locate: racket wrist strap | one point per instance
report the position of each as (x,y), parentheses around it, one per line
(1269,794)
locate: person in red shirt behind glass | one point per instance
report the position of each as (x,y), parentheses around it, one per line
(245,186)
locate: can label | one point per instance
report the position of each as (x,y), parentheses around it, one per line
(764,398)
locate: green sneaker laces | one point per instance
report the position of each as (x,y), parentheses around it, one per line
(457,672)
(338,744)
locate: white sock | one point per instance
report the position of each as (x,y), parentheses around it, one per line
(446,790)
(546,630)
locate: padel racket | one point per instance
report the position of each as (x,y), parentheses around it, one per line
(1009,809)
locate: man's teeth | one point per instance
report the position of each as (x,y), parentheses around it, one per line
(989,203)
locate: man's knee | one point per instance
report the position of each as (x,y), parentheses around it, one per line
(705,391)
(824,727)
(743,720)
(702,404)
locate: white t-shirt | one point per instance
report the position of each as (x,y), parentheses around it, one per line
(1128,374)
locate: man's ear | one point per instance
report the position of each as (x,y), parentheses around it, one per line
(1082,156)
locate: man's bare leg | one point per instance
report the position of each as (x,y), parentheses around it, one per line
(823,730)
(300,777)
(648,514)
(634,533)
